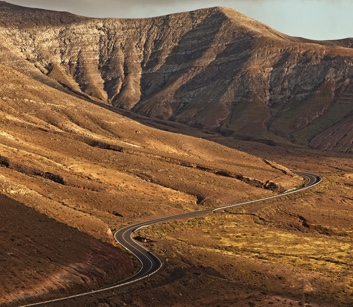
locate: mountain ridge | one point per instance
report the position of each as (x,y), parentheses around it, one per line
(211,68)
(69,154)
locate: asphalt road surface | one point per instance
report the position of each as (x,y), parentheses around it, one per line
(150,263)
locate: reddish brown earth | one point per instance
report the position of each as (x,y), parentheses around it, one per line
(214,69)
(42,258)
(77,168)
(94,170)
(258,255)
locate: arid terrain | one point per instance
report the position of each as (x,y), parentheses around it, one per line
(213,68)
(107,122)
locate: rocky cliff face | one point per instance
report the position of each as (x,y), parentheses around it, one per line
(212,68)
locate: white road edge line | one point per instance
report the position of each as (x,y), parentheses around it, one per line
(309,176)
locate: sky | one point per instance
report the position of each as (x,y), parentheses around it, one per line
(314,19)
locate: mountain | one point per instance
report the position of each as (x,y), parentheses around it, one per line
(73,168)
(87,171)
(213,68)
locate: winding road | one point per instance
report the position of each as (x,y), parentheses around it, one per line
(150,263)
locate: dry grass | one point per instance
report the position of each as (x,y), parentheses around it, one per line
(273,247)
(78,162)
(94,170)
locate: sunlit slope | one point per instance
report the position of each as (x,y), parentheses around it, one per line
(213,68)
(95,170)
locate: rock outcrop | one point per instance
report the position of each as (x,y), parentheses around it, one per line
(214,68)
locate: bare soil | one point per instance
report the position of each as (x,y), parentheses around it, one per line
(73,170)
(85,166)
(95,171)
(277,253)
(42,258)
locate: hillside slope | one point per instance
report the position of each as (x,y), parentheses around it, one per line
(94,170)
(67,153)
(42,258)
(79,155)
(213,68)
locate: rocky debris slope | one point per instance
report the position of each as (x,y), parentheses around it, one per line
(213,68)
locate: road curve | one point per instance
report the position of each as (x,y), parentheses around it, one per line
(150,263)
